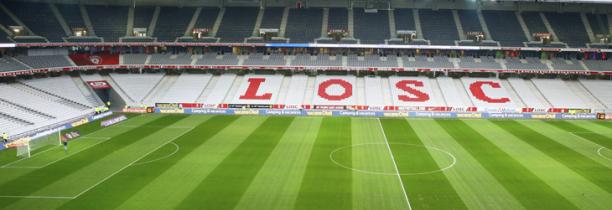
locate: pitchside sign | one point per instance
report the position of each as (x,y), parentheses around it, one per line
(98,85)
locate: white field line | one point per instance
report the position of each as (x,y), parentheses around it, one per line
(101,181)
(128,165)
(399,177)
(160,158)
(602,155)
(86,136)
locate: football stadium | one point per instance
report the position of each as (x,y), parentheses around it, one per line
(305,104)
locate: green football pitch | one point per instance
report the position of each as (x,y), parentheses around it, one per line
(253,162)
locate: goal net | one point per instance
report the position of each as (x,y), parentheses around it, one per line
(27,146)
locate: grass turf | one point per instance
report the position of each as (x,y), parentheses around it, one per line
(251,162)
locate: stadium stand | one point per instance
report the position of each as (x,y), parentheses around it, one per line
(217,59)
(45,61)
(219,90)
(265,60)
(493,95)
(64,87)
(177,59)
(505,28)
(598,22)
(438,26)
(534,22)
(237,24)
(136,86)
(109,22)
(304,25)
(334,90)
(526,63)
(371,28)
(187,88)
(338,18)
(598,65)
(469,21)
(172,22)
(134,58)
(297,88)
(454,95)
(268,92)
(318,60)
(484,62)
(207,18)
(424,85)
(72,15)
(143,16)
(404,19)
(566,64)
(372,61)
(42,22)
(569,28)
(374,93)
(10,64)
(600,89)
(272,17)
(558,93)
(427,62)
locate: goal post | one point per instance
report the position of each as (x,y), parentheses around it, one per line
(27,146)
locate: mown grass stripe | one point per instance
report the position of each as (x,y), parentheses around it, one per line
(427,191)
(122,186)
(580,164)
(326,185)
(371,154)
(184,175)
(39,179)
(224,186)
(583,132)
(277,184)
(525,186)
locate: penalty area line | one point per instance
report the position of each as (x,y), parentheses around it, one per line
(38,197)
(399,177)
(132,163)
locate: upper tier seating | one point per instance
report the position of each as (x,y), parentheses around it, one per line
(137,86)
(9,64)
(469,21)
(45,61)
(272,17)
(143,16)
(558,93)
(371,28)
(72,15)
(534,22)
(439,26)
(599,23)
(39,18)
(505,28)
(338,18)
(207,18)
(237,24)
(109,22)
(172,22)
(304,25)
(600,89)
(404,19)
(569,28)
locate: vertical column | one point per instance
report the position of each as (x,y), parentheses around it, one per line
(523,25)
(284,20)
(153,24)
(325,24)
(193,21)
(458,25)
(417,23)
(85,15)
(130,22)
(258,20)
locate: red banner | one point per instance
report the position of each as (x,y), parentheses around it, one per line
(97,59)
(99,85)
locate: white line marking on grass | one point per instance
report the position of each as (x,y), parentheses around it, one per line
(128,165)
(602,155)
(399,177)
(161,158)
(452,157)
(38,197)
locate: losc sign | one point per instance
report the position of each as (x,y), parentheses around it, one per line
(97,85)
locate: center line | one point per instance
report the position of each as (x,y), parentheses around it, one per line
(395,164)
